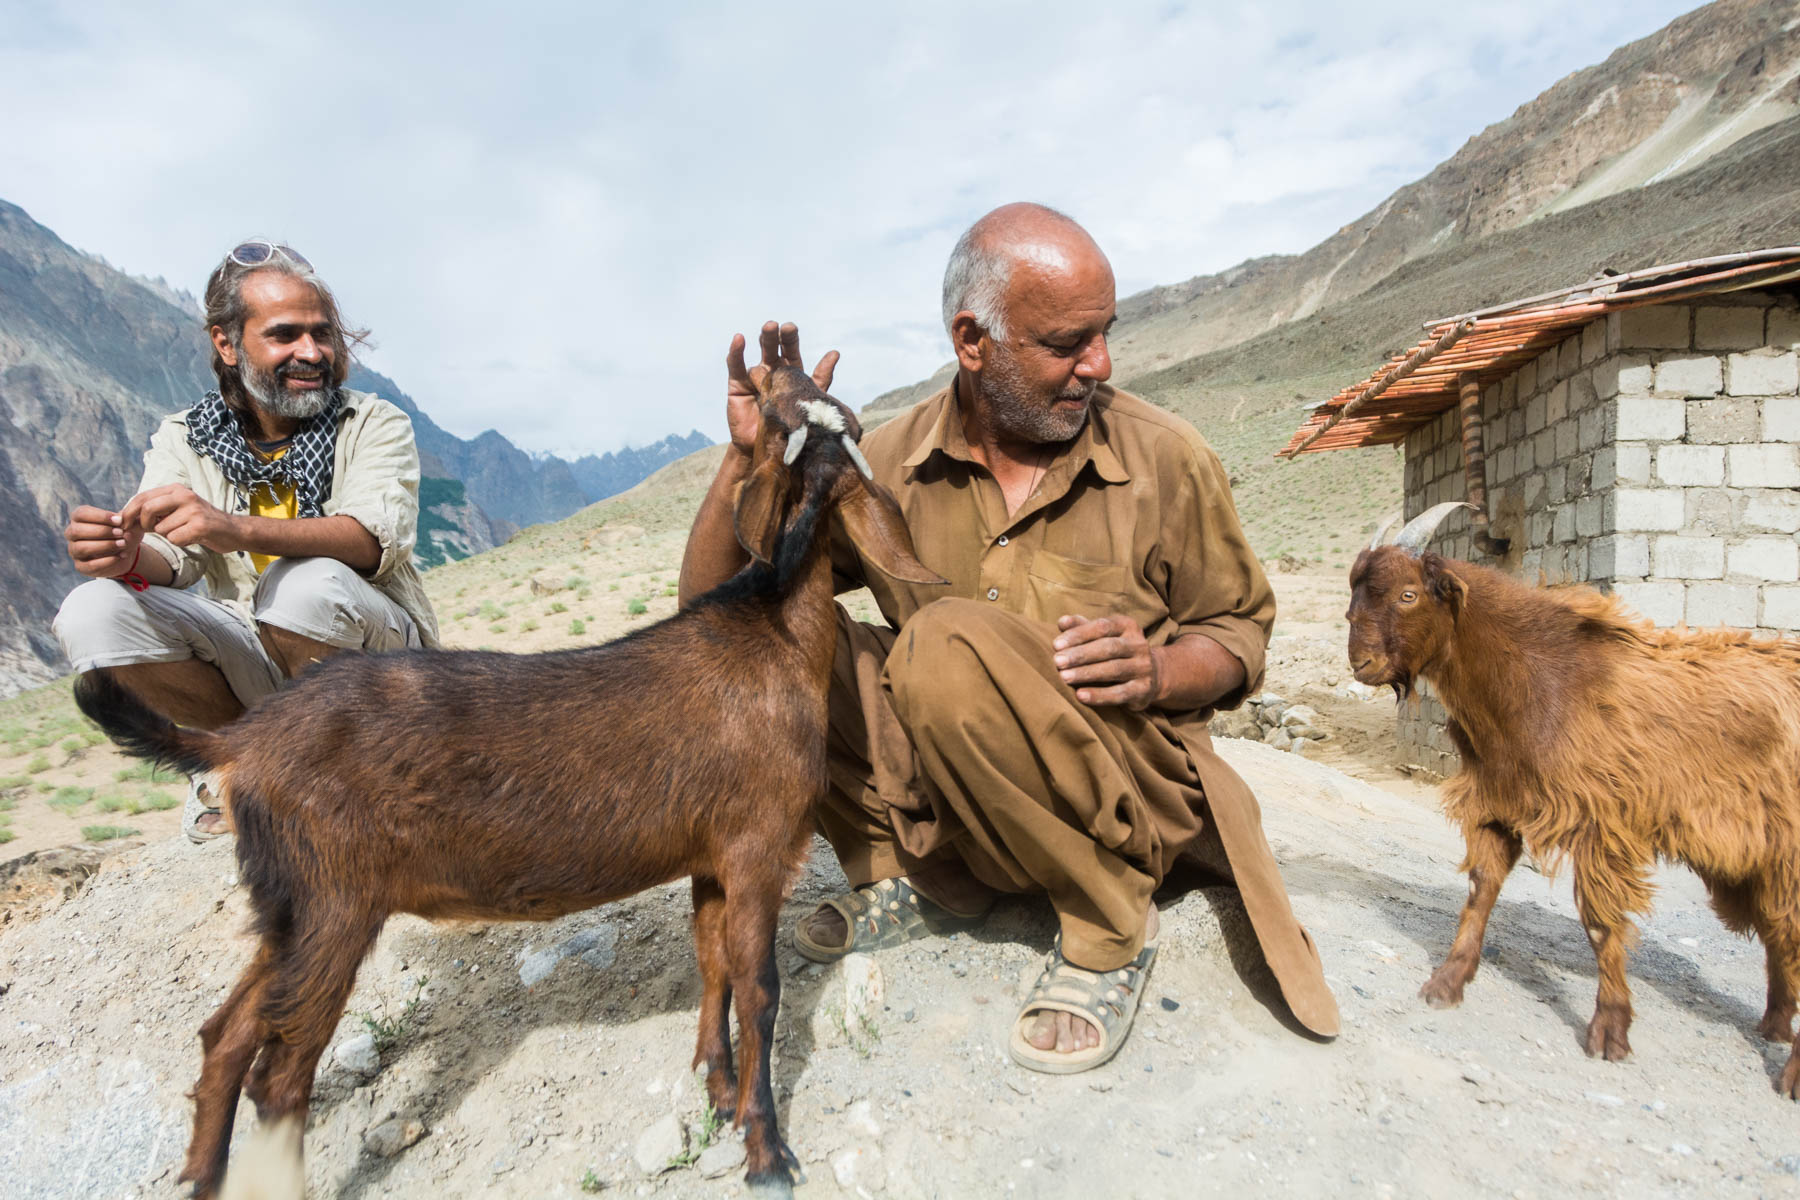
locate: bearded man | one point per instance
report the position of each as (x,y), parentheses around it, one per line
(1041,725)
(295,500)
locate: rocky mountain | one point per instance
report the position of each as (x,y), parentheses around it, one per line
(1679,145)
(91,359)
(611,473)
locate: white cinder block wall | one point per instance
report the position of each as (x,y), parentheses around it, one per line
(1655,453)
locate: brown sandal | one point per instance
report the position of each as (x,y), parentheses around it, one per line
(878,915)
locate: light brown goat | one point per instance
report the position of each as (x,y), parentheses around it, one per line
(499,786)
(1589,735)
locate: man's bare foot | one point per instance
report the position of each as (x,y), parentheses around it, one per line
(1066,1033)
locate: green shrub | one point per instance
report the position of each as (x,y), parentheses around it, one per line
(6,835)
(13,781)
(496,628)
(39,764)
(146,772)
(106,833)
(559,607)
(577,627)
(573,582)
(636,607)
(527,626)
(68,799)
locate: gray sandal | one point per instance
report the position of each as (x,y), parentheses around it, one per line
(1106,999)
(878,915)
(199,804)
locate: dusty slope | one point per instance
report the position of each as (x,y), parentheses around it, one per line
(526,1090)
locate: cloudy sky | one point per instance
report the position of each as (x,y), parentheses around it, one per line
(554,216)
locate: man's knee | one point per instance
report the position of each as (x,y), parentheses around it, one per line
(945,653)
(90,616)
(326,601)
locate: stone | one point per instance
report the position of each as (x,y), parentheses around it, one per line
(1661,601)
(1721,422)
(1690,466)
(1784,328)
(357,1054)
(720,1158)
(1593,341)
(391,1137)
(857,1168)
(1619,555)
(1624,374)
(1732,604)
(1773,510)
(1739,327)
(1632,463)
(1300,714)
(596,946)
(1781,419)
(1688,558)
(1776,560)
(659,1145)
(1690,375)
(1654,327)
(1768,464)
(1766,374)
(1645,509)
(1279,738)
(1781,608)
(1650,418)
(1590,514)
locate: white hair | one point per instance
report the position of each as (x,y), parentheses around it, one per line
(981,266)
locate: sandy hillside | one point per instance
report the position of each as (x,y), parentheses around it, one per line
(492,1085)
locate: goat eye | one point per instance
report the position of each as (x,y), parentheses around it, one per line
(1409,595)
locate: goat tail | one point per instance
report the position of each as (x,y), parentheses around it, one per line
(143,733)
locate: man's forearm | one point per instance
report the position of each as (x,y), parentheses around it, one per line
(713,554)
(1193,672)
(339,537)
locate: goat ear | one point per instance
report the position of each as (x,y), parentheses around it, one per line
(874,523)
(759,509)
(1442,584)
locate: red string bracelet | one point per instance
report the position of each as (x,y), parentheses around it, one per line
(130,578)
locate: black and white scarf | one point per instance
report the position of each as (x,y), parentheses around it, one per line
(213,431)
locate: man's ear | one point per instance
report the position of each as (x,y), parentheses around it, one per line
(221,343)
(969,340)
(1442,584)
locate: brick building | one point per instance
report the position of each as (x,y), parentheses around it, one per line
(1639,432)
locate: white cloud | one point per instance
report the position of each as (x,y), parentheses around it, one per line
(555,216)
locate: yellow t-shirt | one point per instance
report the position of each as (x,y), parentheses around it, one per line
(278,501)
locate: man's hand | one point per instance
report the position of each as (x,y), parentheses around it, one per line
(780,348)
(1107,661)
(99,545)
(175,512)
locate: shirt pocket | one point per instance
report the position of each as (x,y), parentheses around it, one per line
(1059,586)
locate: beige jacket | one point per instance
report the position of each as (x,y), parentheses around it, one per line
(375,478)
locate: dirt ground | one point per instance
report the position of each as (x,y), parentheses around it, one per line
(546,1060)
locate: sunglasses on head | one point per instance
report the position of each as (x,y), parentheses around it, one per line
(256,253)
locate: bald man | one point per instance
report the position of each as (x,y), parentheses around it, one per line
(1040,725)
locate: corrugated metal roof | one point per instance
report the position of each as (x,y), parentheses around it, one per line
(1411,388)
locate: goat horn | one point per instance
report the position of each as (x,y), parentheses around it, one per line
(1381,531)
(856,456)
(796,440)
(1418,531)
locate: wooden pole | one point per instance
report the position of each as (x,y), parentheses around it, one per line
(1475,465)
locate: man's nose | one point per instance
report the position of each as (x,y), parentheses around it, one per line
(308,350)
(1095,362)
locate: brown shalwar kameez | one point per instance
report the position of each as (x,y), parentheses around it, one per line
(956,735)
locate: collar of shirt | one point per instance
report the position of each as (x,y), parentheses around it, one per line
(1092,447)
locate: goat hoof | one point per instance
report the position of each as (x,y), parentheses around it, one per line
(1441,993)
(774,1185)
(1605,1040)
(1790,1078)
(1777,1028)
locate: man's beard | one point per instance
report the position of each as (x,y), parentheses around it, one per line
(270,392)
(1015,414)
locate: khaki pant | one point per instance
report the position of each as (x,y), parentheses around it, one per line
(957,739)
(103,623)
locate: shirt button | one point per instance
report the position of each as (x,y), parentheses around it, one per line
(1003,539)
(993,593)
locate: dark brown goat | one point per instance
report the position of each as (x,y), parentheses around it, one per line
(1589,735)
(497,786)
